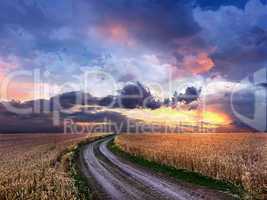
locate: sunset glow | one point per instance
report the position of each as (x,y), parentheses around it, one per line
(174,117)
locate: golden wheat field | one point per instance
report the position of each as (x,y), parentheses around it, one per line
(238,158)
(33,166)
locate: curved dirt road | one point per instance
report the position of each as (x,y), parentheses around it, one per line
(115,178)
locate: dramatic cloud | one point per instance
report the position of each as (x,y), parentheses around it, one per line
(239,35)
(151,41)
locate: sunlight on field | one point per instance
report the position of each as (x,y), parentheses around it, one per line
(238,158)
(30,167)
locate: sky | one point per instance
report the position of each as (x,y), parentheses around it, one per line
(202,43)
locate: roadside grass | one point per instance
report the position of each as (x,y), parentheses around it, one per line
(80,182)
(84,191)
(69,159)
(181,174)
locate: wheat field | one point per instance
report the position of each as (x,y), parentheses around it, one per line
(238,158)
(34,166)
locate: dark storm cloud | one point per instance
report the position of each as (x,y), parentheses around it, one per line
(166,29)
(26,25)
(246,56)
(232,34)
(163,26)
(31,29)
(41,34)
(152,23)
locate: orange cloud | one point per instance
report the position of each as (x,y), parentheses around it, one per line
(20,91)
(118,33)
(23,91)
(198,64)
(17,91)
(115,33)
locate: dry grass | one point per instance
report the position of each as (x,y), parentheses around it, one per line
(238,158)
(30,169)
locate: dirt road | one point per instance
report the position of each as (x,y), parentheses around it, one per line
(115,178)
